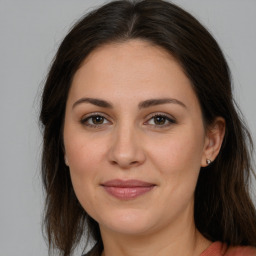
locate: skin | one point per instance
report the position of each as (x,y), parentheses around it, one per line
(127,142)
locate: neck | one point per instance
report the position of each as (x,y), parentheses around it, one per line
(178,241)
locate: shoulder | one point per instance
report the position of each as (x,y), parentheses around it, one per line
(221,249)
(95,251)
(241,251)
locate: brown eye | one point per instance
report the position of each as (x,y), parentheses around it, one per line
(98,120)
(94,121)
(159,120)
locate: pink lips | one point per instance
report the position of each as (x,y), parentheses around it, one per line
(127,189)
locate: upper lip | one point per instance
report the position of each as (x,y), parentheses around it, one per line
(127,183)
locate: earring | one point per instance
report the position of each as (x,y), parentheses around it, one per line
(208,161)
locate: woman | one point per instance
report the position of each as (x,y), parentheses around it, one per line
(143,146)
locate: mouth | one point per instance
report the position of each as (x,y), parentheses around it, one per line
(127,189)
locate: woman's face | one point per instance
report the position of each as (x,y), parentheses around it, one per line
(134,138)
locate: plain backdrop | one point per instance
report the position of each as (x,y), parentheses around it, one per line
(30,32)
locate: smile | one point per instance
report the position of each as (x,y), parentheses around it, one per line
(128,189)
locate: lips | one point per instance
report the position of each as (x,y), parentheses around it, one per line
(127,189)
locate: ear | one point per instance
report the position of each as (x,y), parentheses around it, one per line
(213,140)
(66,160)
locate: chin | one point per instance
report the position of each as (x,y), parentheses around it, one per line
(129,222)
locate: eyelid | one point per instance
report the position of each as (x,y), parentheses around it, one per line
(161,114)
(90,115)
(169,118)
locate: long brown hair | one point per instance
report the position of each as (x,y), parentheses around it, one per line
(223,208)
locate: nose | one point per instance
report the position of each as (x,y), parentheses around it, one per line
(126,149)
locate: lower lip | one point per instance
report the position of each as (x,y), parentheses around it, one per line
(127,193)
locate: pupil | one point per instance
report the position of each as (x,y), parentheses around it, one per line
(97,119)
(159,120)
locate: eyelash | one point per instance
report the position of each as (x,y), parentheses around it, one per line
(85,120)
(167,118)
(170,120)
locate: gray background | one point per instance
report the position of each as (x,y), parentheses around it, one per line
(30,32)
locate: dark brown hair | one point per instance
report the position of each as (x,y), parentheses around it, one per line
(223,208)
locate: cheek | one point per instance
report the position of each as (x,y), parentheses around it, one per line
(84,158)
(181,152)
(84,153)
(83,172)
(178,159)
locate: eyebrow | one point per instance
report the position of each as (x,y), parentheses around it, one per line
(155,102)
(143,104)
(96,102)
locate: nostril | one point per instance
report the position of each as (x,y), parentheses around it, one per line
(127,164)
(113,162)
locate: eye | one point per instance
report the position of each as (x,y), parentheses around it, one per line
(94,120)
(160,120)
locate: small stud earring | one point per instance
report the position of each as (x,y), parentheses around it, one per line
(208,161)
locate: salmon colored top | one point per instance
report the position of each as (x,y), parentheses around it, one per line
(221,249)
(215,249)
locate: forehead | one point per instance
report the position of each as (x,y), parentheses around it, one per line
(131,69)
(138,58)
